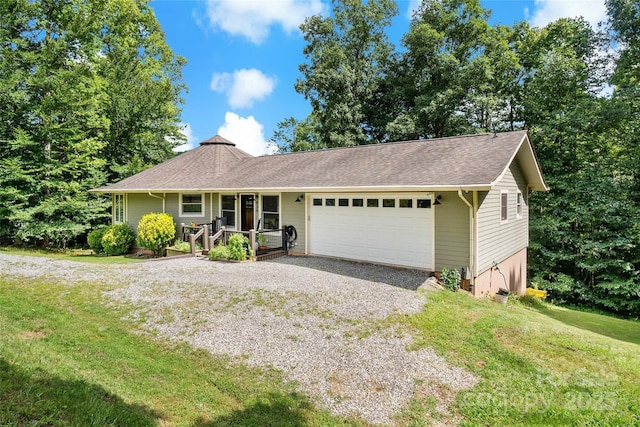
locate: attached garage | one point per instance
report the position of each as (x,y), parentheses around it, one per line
(382,228)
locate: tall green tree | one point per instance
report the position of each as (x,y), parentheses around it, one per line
(442,68)
(346,54)
(56,93)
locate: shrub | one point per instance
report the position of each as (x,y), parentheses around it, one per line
(181,245)
(219,252)
(95,240)
(450,279)
(117,239)
(155,231)
(238,247)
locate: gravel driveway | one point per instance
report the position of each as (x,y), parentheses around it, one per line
(321,321)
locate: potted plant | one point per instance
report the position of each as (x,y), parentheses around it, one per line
(262,242)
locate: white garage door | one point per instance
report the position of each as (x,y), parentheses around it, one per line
(380,228)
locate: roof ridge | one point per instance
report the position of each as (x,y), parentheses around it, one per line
(377,144)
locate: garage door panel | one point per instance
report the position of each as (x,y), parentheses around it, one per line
(399,236)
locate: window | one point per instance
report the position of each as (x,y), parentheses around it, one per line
(270,212)
(406,203)
(504,200)
(519,205)
(423,203)
(388,203)
(317,202)
(372,203)
(343,202)
(228,204)
(357,203)
(330,202)
(118,208)
(191,205)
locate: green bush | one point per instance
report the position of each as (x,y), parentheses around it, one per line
(94,239)
(181,245)
(219,252)
(450,279)
(117,239)
(156,231)
(238,247)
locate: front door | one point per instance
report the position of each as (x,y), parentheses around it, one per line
(246,211)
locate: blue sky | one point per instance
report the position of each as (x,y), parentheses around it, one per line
(243,57)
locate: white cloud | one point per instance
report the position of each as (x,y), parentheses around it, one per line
(243,87)
(546,11)
(246,132)
(192,140)
(253,19)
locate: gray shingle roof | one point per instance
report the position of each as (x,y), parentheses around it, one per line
(472,161)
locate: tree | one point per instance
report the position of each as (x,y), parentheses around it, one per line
(56,95)
(437,73)
(294,135)
(346,54)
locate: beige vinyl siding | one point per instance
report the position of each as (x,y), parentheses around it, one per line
(139,205)
(173,208)
(451,232)
(498,240)
(292,213)
(214,205)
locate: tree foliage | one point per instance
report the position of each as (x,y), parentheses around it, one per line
(347,53)
(86,87)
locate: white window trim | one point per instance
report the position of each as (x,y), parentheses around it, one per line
(235,208)
(124,208)
(504,221)
(192,214)
(519,205)
(261,208)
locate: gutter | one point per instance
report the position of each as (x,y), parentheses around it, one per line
(161,198)
(472,228)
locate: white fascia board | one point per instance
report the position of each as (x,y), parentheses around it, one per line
(407,188)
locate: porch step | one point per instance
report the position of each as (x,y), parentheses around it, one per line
(271,255)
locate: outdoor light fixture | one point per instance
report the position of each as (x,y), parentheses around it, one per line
(438,198)
(298,199)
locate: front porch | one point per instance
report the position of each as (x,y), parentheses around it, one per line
(265,244)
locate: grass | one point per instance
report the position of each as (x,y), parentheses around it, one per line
(539,365)
(67,359)
(82,255)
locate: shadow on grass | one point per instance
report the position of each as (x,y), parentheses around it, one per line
(619,329)
(276,410)
(39,398)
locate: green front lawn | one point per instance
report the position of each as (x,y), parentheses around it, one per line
(68,359)
(544,365)
(82,255)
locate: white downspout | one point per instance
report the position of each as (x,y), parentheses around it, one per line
(161,198)
(471,235)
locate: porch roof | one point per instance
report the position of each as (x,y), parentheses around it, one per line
(467,162)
